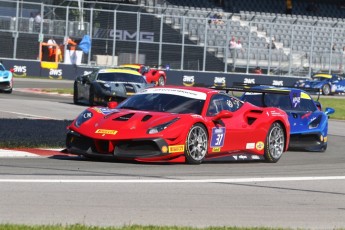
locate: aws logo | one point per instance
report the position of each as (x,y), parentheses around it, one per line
(219,81)
(249,81)
(55,74)
(277,83)
(19,71)
(188,80)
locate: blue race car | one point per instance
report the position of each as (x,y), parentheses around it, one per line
(6,79)
(309,123)
(328,84)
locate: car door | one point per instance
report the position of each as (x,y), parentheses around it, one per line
(228,134)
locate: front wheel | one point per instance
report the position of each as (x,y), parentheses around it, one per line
(275,143)
(196,144)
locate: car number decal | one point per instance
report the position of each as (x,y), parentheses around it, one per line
(217,138)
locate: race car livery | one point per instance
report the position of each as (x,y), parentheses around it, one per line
(327,84)
(152,75)
(180,124)
(6,79)
(104,85)
(308,122)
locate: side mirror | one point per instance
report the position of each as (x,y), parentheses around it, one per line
(329,111)
(112,104)
(223,114)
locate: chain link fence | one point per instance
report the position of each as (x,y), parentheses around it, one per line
(182,40)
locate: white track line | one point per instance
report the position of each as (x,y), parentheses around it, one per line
(235,180)
(30,115)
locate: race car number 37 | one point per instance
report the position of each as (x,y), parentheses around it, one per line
(218,135)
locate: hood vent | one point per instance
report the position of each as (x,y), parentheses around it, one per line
(129,88)
(124,117)
(146,118)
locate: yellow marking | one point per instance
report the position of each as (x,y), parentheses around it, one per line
(106,131)
(217,149)
(176,148)
(323,75)
(128,71)
(164,149)
(260,145)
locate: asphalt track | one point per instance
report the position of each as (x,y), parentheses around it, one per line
(303,190)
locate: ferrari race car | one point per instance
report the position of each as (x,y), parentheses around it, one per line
(151,75)
(327,83)
(6,79)
(180,124)
(309,124)
(104,85)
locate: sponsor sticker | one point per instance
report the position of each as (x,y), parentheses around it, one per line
(106,131)
(216,149)
(176,148)
(260,145)
(217,138)
(255,157)
(250,145)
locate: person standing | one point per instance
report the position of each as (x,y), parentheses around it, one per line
(51,49)
(233,48)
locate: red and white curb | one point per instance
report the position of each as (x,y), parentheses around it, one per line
(31,152)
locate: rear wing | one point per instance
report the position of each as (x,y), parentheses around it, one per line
(254,88)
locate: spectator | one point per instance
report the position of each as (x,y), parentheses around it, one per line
(71,44)
(233,47)
(38,18)
(333,48)
(52,49)
(257,70)
(271,45)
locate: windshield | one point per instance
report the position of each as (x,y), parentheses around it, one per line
(281,101)
(120,77)
(2,68)
(163,103)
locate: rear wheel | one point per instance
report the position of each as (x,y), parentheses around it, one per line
(326,89)
(161,81)
(275,143)
(196,144)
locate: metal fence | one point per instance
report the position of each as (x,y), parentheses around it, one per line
(176,38)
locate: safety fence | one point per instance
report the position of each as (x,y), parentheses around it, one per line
(175,38)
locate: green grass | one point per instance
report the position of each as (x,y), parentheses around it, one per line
(335,103)
(132,227)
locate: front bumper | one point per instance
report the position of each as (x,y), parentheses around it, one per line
(130,149)
(308,142)
(5,85)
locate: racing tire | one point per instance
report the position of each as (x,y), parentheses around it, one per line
(161,81)
(75,94)
(323,148)
(8,91)
(275,143)
(92,96)
(326,89)
(196,144)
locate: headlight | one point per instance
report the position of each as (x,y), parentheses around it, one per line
(161,127)
(84,116)
(315,123)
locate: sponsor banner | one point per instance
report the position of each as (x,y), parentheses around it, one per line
(174,77)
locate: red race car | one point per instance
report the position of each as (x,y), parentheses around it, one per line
(151,75)
(180,124)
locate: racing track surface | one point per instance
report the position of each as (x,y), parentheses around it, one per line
(305,190)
